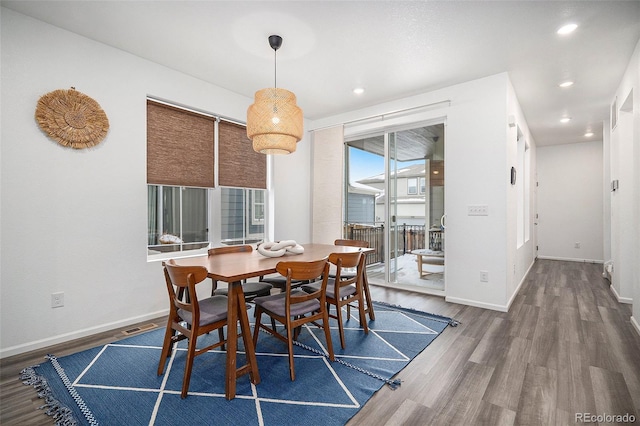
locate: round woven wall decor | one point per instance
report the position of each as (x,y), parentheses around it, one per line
(72,118)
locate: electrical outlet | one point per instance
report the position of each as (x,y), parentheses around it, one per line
(576,245)
(484,276)
(57,300)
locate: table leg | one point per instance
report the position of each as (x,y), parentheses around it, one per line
(237,311)
(247,338)
(232,344)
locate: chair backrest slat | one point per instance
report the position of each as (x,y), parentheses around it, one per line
(185,279)
(352,243)
(294,270)
(180,274)
(347,260)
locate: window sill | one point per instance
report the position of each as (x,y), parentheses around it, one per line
(159,257)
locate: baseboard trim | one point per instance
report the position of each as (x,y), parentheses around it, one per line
(475,303)
(619,298)
(515,293)
(571,259)
(635,325)
(61,338)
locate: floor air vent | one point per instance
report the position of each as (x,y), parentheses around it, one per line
(139,329)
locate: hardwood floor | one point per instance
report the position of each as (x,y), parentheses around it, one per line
(565,347)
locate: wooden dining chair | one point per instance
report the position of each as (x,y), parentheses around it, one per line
(365,282)
(345,290)
(294,307)
(251,289)
(189,317)
(352,243)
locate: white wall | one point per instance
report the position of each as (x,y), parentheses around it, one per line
(291,183)
(625,202)
(606,190)
(519,257)
(75,221)
(476,172)
(570,201)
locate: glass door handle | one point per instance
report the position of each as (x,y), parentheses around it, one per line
(442,221)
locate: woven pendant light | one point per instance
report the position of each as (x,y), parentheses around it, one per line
(274,121)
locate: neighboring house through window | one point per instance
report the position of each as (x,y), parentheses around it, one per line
(415,184)
(242,218)
(412,186)
(178,218)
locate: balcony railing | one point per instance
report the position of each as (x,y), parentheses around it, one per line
(410,237)
(373,234)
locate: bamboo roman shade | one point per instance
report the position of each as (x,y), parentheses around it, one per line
(180,147)
(239,165)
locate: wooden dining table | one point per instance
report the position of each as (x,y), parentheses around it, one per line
(233,268)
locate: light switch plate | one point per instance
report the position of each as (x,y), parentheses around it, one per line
(478,210)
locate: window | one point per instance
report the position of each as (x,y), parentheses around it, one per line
(195,159)
(243,177)
(257,200)
(177,218)
(423,184)
(242,215)
(412,186)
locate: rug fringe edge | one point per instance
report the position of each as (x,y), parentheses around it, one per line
(452,322)
(61,414)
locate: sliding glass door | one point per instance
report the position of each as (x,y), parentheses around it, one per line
(392,235)
(394,195)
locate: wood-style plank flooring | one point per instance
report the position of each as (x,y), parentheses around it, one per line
(565,347)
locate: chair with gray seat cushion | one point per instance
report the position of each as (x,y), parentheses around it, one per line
(365,282)
(345,290)
(293,307)
(251,289)
(189,317)
(280,282)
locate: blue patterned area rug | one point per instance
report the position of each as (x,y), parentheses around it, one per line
(118,383)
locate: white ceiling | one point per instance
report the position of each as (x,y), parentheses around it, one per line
(393,49)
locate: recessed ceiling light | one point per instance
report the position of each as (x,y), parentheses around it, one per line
(358,90)
(566,84)
(565,119)
(569,28)
(435,172)
(588,134)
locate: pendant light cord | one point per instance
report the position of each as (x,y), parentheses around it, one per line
(275,69)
